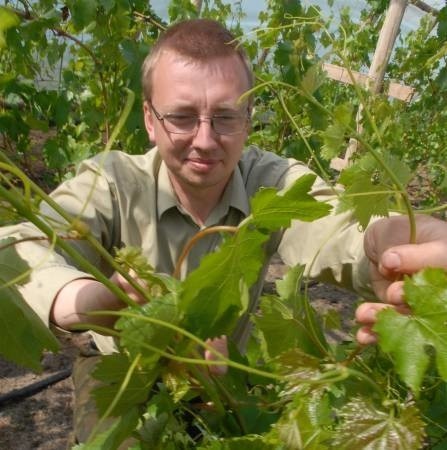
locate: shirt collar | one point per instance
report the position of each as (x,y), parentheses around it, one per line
(234,196)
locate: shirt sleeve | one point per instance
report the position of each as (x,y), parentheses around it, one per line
(88,197)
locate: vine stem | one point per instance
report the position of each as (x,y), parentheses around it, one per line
(190,244)
(25,212)
(376,155)
(30,186)
(222,359)
(210,388)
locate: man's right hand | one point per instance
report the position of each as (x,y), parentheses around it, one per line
(81,296)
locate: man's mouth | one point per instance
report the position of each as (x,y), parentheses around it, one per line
(202,164)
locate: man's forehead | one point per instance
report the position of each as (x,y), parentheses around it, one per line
(228,64)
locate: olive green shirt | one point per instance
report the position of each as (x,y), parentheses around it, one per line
(128,200)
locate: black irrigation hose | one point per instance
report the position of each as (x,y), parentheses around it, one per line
(33,388)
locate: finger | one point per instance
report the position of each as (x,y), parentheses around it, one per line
(123,284)
(220,345)
(395,294)
(366,313)
(410,258)
(379,283)
(365,336)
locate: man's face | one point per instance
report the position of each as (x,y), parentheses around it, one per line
(203,158)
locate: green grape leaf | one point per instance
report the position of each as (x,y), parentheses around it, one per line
(407,337)
(83,12)
(302,424)
(366,427)
(343,114)
(365,191)
(272,210)
(334,140)
(8,19)
(215,294)
(279,329)
(212,294)
(299,368)
(335,137)
(138,335)
(400,170)
(289,321)
(111,371)
(312,80)
(249,442)
(24,335)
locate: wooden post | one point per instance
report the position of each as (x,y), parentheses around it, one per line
(197,4)
(385,44)
(387,38)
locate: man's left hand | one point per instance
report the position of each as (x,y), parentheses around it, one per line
(391,257)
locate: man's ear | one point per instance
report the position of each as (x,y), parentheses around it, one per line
(149,120)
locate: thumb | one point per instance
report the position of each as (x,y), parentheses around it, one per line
(410,258)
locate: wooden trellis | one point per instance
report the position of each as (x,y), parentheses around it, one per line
(374,80)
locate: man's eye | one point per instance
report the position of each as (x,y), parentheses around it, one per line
(180,118)
(227,118)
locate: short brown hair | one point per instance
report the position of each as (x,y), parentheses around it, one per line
(200,40)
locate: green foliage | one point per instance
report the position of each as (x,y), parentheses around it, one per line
(409,339)
(398,426)
(24,336)
(292,389)
(217,306)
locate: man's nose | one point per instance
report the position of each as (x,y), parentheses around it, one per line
(205,133)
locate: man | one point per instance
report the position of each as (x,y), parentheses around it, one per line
(198,176)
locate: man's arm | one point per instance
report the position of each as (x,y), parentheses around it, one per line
(79,297)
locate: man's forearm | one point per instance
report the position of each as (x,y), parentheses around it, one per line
(79,297)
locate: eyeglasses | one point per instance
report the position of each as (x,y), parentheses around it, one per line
(182,123)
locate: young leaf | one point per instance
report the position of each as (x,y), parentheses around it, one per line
(364,426)
(111,371)
(302,424)
(136,332)
(211,298)
(289,321)
(272,210)
(24,335)
(299,368)
(334,140)
(335,136)
(406,338)
(365,192)
(312,79)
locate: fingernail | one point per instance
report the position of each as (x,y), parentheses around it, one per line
(391,260)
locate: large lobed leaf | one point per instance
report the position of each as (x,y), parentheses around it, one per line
(213,294)
(24,335)
(368,188)
(407,338)
(364,426)
(288,321)
(216,293)
(273,210)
